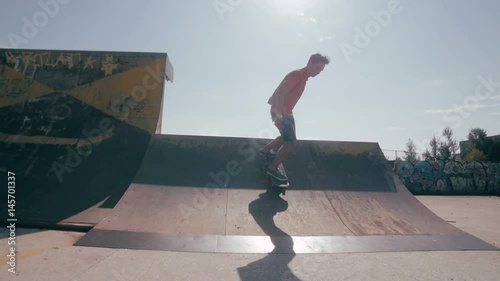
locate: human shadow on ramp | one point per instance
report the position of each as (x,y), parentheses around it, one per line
(274,266)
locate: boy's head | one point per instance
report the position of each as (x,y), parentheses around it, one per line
(317,63)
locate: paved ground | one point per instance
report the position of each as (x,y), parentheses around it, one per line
(49,255)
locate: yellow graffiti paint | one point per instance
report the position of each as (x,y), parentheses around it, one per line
(8,138)
(23,255)
(133,96)
(29,62)
(16,88)
(131,89)
(344,148)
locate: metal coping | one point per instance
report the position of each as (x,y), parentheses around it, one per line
(281,245)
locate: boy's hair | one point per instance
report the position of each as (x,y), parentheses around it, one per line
(319,58)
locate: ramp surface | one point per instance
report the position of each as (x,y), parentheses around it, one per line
(75,127)
(209,194)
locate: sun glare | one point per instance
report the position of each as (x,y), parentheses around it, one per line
(290,6)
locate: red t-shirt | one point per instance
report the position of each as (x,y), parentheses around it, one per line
(293,86)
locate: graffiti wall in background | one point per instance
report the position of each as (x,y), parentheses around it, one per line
(450,177)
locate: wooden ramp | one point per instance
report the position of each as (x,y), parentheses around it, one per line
(210,195)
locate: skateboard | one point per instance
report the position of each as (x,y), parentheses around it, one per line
(275,183)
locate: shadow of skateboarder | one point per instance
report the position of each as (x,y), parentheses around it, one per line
(274,266)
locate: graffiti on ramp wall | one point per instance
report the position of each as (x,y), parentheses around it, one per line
(449,177)
(76,125)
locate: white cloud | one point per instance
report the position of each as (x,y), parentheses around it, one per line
(311,24)
(298,15)
(311,20)
(494,113)
(324,38)
(331,22)
(394,129)
(460,108)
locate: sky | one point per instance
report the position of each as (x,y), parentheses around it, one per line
(399,69)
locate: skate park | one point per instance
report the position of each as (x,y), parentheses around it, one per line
(95,180)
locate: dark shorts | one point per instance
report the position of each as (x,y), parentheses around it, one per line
(288,129)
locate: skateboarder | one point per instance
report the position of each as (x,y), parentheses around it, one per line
(282,102)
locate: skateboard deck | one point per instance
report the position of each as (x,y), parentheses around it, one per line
(280,185)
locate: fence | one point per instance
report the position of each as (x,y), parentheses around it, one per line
(392,154)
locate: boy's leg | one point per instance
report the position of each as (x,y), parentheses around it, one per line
(276,143)
(289,138)
(282,154)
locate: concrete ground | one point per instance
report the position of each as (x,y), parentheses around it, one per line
(49,255)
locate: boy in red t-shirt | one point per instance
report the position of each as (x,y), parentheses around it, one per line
(282,102)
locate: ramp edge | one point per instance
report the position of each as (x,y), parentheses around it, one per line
(282,245)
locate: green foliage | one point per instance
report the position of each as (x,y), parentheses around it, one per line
(480,142)
(411,152)
(434,143)
(475,155)
(477,137)
(449,146)
(445,148)
(442,149)
(476,134)
(427,155)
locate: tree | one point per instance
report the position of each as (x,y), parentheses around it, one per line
(479,140)
(444,151)
(411,152)
(477,137)
(427,155)
(449,146)
(434,153)
(475,155)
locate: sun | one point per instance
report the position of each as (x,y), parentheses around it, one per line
(293,6)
